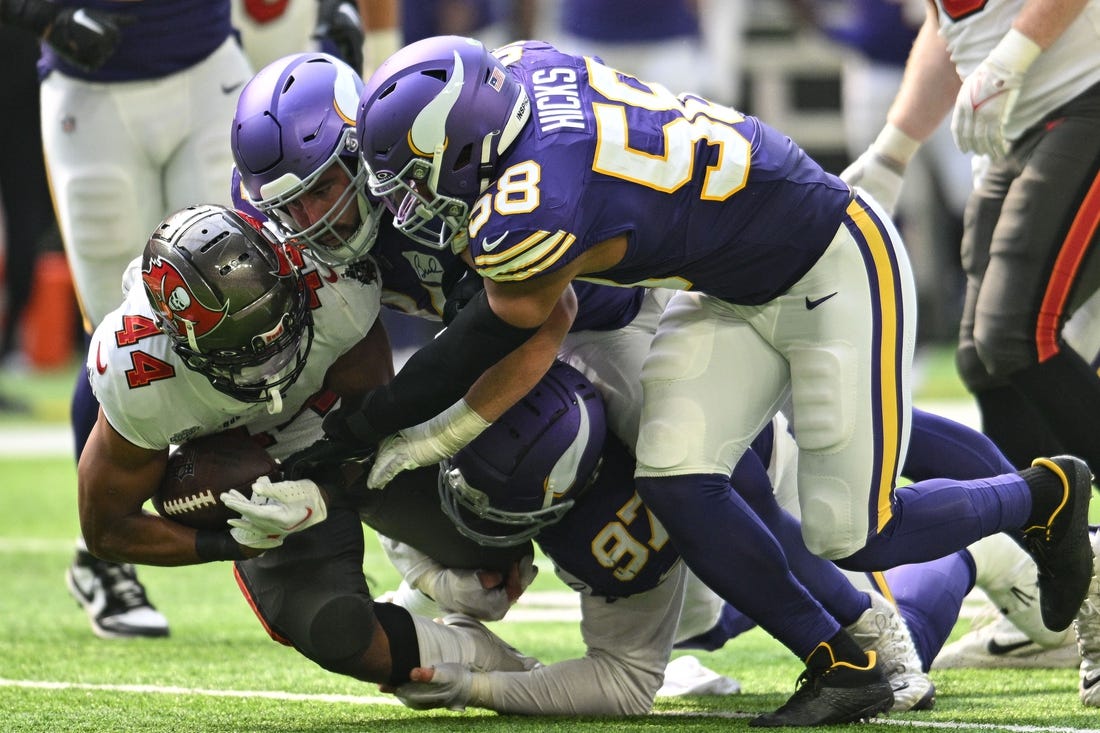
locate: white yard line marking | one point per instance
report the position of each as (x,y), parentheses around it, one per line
(387,700)
(155,689)
(907,723)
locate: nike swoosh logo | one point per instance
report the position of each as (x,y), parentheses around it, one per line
(1001,649)
(230,88)
(1089,682)
(99,365)
(487,246)
(309,513)
(811,304)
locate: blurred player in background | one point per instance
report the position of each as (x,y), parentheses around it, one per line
(138,136)
(1023,80)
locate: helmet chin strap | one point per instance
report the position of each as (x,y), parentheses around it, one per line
(274,401)
(191,340)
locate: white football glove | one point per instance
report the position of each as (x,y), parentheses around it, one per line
(988,96)
(880,169)
(461,590)
(450,688)
(274,511)
(426,443)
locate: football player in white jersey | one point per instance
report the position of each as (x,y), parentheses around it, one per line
(223,327)
(1021,79)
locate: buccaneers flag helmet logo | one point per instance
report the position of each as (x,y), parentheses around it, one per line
(174,299)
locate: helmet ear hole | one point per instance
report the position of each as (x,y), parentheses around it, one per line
(463,158)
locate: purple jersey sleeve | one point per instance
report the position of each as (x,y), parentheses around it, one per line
(413,274)
(164,37)
(708,199)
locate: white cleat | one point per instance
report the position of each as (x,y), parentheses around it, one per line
(1087,627)
(995,642)
(882,629)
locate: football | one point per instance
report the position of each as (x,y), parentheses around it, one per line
(200,470)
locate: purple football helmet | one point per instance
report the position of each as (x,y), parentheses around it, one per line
(526,469)
(432,122)
(294,123)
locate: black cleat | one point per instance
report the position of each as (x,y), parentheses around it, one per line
(831,691)
(1060,546)
(113,598)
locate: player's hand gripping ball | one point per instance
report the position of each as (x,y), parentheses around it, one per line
(200,470)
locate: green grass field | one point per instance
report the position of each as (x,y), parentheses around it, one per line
(219,672)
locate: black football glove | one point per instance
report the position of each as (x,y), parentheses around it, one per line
(86,38)
(82,36)
(460,284)
(341,470)
(348,424)
(339,25)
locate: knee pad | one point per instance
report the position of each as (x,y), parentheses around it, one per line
(1003,347)
(972,371)
(823,389)
(829,527)
(341,629)
(670,424)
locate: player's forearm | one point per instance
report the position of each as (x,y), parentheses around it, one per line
(506,382)
(1043,21)
(593,685)
(438,374)
(929,86)
(147,539)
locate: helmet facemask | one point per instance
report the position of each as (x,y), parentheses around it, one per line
(476,518)
(265,369)
(327,238)
(419,212)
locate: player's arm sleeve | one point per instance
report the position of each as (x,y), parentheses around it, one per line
(629,643)
(435,376)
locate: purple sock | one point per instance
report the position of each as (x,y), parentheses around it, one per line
(731,623)
(929,596)
(820,576)
(83,412)
(731,550)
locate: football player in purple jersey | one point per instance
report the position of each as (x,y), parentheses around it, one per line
(543,167)
(539,473)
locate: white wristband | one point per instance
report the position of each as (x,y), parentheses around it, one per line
(895,145)
(454,428)
(1015,52)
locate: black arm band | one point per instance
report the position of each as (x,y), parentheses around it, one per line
(215,544)
(404,647)
(439,373)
